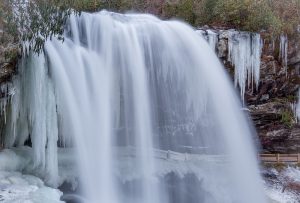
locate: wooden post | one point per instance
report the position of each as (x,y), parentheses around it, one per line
(277,158)
(298,159)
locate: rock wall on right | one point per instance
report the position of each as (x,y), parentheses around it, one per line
(268,84)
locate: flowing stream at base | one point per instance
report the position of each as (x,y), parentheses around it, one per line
(134,81)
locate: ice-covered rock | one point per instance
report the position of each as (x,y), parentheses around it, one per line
(282,185)
(21,159)
(18,188)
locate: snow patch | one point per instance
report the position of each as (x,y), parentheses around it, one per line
(277,182)
(18,188)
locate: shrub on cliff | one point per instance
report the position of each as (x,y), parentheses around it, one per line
(34,21)
(276,16)
(252,15)
(182,9)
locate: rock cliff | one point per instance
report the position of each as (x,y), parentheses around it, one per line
(272,104)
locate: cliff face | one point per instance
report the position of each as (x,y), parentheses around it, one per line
(272,105)
(8,60)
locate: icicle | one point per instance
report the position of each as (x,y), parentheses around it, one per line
(298,107)
(293,106)
(283,51)
(212,39)
(7,92)
(256,58)
(34,112)
(244,52)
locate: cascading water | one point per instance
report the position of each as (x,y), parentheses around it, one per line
(131,84)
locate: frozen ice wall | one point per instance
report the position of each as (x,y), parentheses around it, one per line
(283,50)
(33,116)
(244,53)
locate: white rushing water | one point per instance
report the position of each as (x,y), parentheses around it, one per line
(121,81)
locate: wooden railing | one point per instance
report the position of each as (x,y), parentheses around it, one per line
(168,155)
(280,158)
(177,156)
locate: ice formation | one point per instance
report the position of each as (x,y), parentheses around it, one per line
(294,108)
(212,39)
(283,51)
(298,107)
(6,93)
(34,114)
(245,54)
(136,81)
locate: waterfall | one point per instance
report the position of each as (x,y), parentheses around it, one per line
(122,82)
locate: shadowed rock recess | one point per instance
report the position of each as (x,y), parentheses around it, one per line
(272,105)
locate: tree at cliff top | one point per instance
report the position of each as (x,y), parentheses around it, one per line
(275,16)
(34,21)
